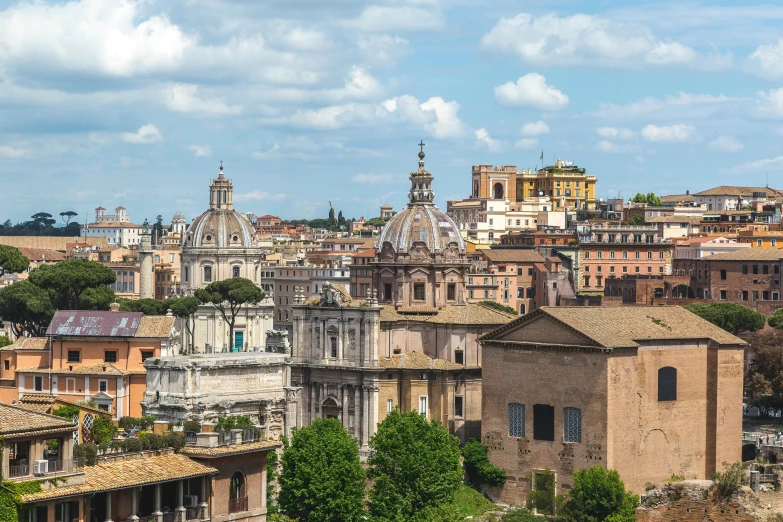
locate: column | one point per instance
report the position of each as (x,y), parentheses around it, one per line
(181,515)
(311,341)
(324,348)
(365,418)
(204,506)
(263,483)
(158,513)
(312,402)
(344,398)
(357,427)
(134,496)
(340,343)
(372,420)
(108,506)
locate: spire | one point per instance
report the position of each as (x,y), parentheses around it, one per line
(221,192)
(421,183)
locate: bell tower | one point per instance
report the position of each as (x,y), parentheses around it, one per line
(221,192)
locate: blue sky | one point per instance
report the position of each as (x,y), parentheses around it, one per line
(108,102)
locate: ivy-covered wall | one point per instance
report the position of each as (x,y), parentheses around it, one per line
(12,508)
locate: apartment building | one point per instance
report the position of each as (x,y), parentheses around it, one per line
(308,280)
(515,273)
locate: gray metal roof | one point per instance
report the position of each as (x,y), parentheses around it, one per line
(88,323)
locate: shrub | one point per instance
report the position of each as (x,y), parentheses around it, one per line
(67,412)
(174,440)
(498,306)
(88,452)
(103,429)
(521,515)
(598,494)
(542,496)
(478,467)
(133,445)
(728,483)
(192,426)
(151,441)
(146,422)
(232,422)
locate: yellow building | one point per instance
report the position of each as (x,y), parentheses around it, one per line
(567,185)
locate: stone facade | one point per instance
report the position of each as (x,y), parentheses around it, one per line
(145,266)
(596,393)
(694,501)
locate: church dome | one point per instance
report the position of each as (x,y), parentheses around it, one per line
(421,221)
(221,226)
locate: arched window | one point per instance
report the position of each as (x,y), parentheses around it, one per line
(522,309)
(237,495)
(497,191)
(475,189)
(667,384)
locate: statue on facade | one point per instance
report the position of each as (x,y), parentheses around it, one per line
(331,296)
(146,226)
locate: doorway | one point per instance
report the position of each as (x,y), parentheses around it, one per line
(239,341)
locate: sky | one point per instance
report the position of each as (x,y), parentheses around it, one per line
(135,102)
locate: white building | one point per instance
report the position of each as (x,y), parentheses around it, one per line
(116,228)
(725,198)
(698,247)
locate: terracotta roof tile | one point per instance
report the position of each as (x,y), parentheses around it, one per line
(16,420)
(28,343)
(87,369)
(232,449)
(390,315)
(42,402)
(417,361)
(158,326)
(678,198)
(109,475)
(471,314)
(747,254)
(42,254)
(732,190)
(639,323)
(693,220)
(512,255)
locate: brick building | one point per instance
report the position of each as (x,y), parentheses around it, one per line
(540,237)
(649,391)
(514,269)
(362,273)
(746,276)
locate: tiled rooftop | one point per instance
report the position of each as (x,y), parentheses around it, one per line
(15,420)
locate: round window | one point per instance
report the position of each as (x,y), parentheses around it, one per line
(208,238)
(235,239)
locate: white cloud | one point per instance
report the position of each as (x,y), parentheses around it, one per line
(697,105)
(483,138)
(11,153)
(109,37)
(726,144)
(201,151)
(331,117)
(606,146)
(583,40)
(437,116)
(536,128)
(373,178)
(770,103)
(267,153)
(614,133)
(258,195)
(383,50)
(676,132)
(763,164)
(767,60)
(386,19)
(526,143)
(184,98)
(146,134)
(531,90)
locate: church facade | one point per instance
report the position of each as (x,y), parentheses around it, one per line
(220,244)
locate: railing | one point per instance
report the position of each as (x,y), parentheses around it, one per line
(249,435)
(170,516)
(21,470)
(190,436)
(237,505)
(224,437)
(192,514)
(65,466)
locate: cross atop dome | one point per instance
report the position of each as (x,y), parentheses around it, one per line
(421,183)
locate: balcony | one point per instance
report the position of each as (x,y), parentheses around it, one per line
(52,468)
(237,505)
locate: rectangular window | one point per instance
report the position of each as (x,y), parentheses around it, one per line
(234,271)
(516,420)
(7,364)
(110,356)
(744,269)
(543,422)
(755,295)
(744,295)
(451,291)
(755,269)
(723,295)
(38,382)
(418,291)
(660,255)
(599,254)
(775,269)
(145,354)
(611,255)
(389,405)
(459,356)
(333,343)
(387,291)
(625,255)
(765,295)
(74,356)
(637,255)
(765,269)
(423,405)
(572,425)
(458,405)
(587,254)
(103,386)
(649,255)
(207,274)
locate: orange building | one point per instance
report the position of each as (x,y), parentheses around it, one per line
(760,237)
(88,355)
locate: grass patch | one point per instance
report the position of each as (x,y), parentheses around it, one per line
(470,502)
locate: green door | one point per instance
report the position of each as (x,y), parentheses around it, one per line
(239,341)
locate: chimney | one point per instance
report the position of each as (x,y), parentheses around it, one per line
(115,307)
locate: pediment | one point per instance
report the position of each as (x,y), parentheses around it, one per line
(418,269)
(540,328)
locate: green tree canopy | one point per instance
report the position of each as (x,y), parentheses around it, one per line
(145,306)
(732,317)
(648,199)
(764,380)
(598,495)
(5,341)
(415,466)
(637,218)
(498,306)
(12,261)
(184,308)
(76,284)
(26,307)
(478,468)
(376,222)
(67,216)
(776,320)
(228,296)
(322,479)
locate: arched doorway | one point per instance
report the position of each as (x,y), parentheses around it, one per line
(681,292)
(237,500)
(497,191)
(522,309)
(330,409)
